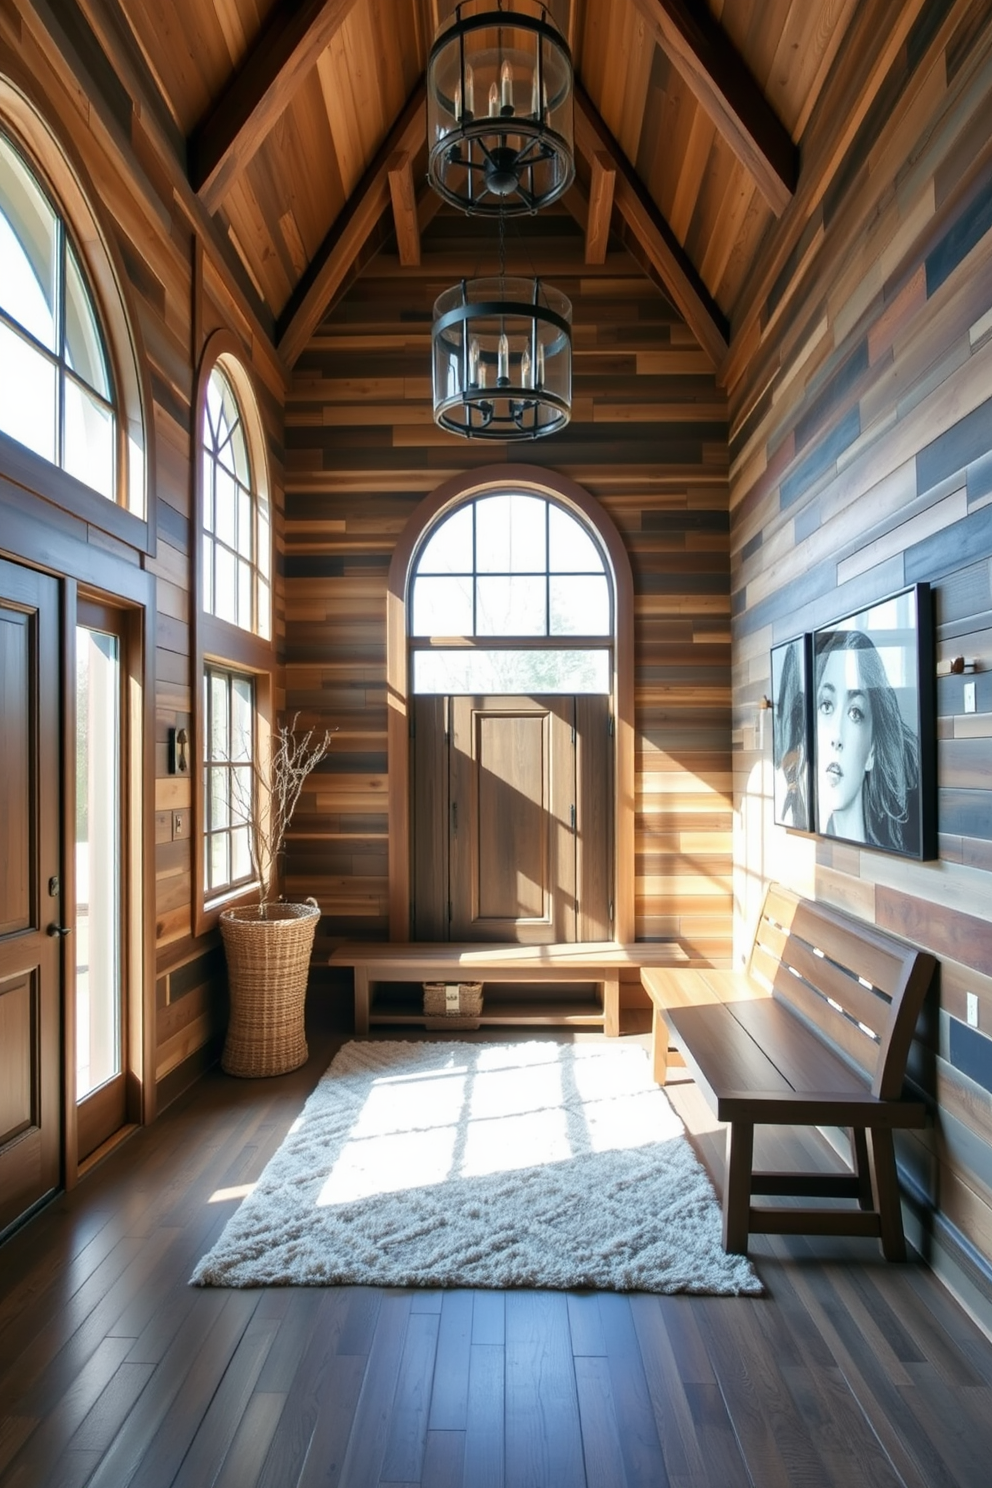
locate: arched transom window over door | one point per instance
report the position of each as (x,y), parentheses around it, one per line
(510,609)
(521,588)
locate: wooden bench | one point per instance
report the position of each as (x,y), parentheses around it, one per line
(599,962)
(815,1033)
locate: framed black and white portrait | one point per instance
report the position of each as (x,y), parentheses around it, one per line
(791,753)
(873,726)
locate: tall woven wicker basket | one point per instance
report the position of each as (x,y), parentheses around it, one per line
(267,965)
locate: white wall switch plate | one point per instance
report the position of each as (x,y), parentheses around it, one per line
(969,697)
(972,1009)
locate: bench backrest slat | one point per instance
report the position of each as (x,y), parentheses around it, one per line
(829,991)
(867,951)
(866,1005)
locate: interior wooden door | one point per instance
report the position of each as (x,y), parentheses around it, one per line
(30,924)
(512,807)
(512,819)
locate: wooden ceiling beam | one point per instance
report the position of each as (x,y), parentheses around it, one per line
(403,194)
(294,35)
(700,50)
(329,267)
(602,185)
(662,249)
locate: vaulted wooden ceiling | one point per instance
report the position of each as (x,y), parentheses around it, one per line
(305,131)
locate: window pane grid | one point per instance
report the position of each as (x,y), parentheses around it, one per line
(235,517)
(228,778)
(502,597)
(525,579)
(25,335)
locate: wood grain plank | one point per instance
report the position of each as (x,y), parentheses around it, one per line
(449,1393)
(541,1397)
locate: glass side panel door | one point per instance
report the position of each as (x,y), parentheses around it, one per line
(99,997)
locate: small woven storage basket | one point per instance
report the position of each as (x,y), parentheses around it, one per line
(443,1011)
(268,961)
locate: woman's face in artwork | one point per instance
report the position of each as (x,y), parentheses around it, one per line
(843,732)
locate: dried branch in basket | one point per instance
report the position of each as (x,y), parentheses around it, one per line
(276,794)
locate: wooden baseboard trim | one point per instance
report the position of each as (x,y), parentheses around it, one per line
(962,1268)
(106,1148)
(172,1085)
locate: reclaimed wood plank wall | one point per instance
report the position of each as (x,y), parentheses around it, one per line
(647,439)
(153,224)
(861,462)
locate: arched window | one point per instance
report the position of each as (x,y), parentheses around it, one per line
(521,575)
(237,539)
(57,392)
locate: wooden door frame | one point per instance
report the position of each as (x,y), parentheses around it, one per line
(529,479)
(33,539)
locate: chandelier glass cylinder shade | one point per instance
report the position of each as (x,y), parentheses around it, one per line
(502,359)
(499,110)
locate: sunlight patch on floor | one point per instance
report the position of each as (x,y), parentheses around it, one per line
(416,1131)
(239,1191)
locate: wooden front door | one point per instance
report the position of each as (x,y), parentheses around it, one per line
(513,819)
(30,956)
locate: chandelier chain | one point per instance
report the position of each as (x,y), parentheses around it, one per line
(499,96)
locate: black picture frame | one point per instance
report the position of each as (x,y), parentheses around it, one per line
(792,760)
(873,728)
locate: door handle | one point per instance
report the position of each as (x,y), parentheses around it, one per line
(59,930)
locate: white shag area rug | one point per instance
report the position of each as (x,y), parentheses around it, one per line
(483,1165)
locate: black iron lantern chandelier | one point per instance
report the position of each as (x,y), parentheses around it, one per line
(502,359)
(499,112)
(499,109)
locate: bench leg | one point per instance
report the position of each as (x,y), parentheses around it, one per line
(659,1046)
(862,1167)
(885,1184)
(361,1001)
(611,1007)
(737,1186)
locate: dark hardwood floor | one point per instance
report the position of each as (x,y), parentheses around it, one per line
(113,1371)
